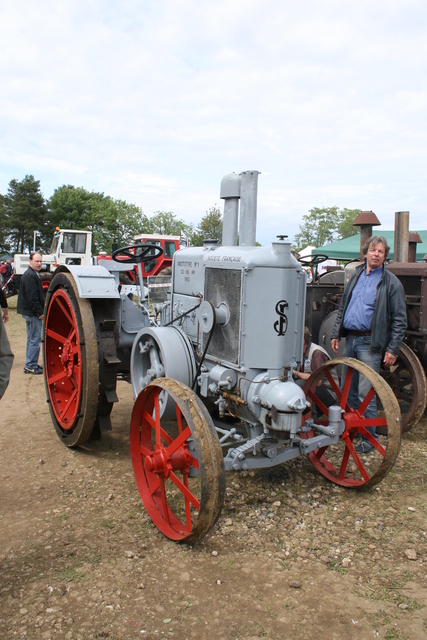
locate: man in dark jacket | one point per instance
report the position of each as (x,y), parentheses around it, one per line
(30,305)
(6,355)
(372,318)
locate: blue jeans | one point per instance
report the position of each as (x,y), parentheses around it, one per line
(358,347)
(34,338)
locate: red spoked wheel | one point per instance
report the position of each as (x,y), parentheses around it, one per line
(178,466)
(341,463)
(70,361)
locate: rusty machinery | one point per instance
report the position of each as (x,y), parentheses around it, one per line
(407,377)
(211,372)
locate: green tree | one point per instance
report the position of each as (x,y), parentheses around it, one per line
(166,223)
(24,210)
(108,219)
(345,228)
(121,222)
(4,246)
(324,225)
(209,228)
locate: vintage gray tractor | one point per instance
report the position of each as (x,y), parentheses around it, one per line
(211,372)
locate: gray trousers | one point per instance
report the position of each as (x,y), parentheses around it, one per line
(6,358)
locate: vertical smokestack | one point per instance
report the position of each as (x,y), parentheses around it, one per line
(230,193)
(248,208)
(365,220)
(414,239)
(401,236)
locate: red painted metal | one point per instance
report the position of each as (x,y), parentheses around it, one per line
(340,465)
(162,465)
(63,361)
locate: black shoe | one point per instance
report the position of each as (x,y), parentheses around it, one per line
(40,368)
(364,447)
(34,370)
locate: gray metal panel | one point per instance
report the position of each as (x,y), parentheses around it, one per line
(272,337)
(225,286)
(93,281)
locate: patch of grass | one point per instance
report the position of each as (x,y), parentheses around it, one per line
(413,604)
(63,517)
(92,560)
(108,523)
(70,574)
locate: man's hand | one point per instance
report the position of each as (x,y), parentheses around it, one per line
(389,359)
(335,344)
(5,315)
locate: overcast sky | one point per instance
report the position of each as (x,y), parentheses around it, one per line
(155,101)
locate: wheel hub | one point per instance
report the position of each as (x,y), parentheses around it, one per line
(162,463)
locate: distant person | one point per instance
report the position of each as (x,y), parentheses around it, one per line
(31,305)
(6,275)
(372,319)
(6,355)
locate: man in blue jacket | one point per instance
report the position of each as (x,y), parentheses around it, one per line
(372,319)
(30,305)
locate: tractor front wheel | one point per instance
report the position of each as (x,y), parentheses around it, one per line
(178,465)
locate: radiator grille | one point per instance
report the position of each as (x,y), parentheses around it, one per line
(225,285)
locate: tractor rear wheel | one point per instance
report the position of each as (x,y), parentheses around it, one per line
(341,463)
(408,381)
(70,361)
(178,466)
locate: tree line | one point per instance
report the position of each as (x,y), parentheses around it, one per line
(24,210)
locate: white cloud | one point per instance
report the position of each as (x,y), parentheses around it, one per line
(155,102)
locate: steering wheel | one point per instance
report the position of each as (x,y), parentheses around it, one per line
(149,252)
(310,261)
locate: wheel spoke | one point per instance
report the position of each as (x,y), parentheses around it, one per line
(55,336)
(358,461)
(346,387)
(179,441)
(367,400)
(64,310)
(69,404)
(187,493)
(59,376)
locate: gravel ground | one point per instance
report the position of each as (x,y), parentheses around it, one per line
(291,556)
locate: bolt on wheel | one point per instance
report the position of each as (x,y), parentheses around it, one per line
(178,465)
(341,463)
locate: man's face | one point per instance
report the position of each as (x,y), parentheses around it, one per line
(36,262)
(375,256)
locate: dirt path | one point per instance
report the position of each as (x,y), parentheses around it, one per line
(292,556)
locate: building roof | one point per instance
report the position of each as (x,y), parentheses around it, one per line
(349,248)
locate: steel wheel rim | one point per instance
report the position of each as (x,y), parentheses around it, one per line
(341,464)
(64,364)
(179,471)
(412,390)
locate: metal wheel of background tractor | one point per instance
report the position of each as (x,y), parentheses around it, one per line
(341,463)
(70,361)
(178,466)
(408,381)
